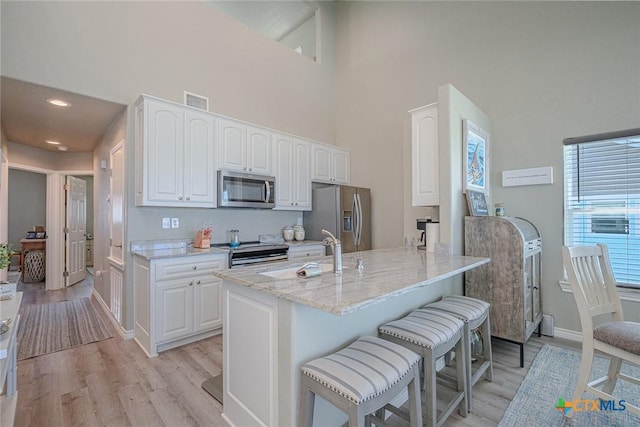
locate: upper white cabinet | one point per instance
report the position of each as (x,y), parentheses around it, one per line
(175,155)
(424,156)
(330,164)
(244,148)
(292,169)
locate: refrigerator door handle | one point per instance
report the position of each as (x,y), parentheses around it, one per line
(356,219)
(359,219)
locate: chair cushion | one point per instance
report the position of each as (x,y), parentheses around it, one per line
(363,370)
(623,335)
(464,308)
(424,327)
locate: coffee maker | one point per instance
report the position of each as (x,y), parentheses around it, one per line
(421,224)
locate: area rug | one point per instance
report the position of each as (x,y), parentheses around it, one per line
(47,328)
(553,376)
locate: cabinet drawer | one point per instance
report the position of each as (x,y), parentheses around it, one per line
(191,266)
(308,251)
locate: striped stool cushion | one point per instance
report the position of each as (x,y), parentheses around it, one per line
(426,328)
(363,370)
(464,308)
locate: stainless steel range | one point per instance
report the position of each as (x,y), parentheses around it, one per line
(254,252)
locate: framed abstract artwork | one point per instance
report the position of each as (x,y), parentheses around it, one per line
(475,157)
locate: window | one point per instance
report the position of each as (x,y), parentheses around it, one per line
(602,198)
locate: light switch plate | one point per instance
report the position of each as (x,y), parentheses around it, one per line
(175,223)
(166,222)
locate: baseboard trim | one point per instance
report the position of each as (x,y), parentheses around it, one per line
(126,335)
(567,334)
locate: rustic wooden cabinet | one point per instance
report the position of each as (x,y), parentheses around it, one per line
(511,281)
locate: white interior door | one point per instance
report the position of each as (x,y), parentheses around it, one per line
(76,230)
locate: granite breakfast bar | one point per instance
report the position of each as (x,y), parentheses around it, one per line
(273,322)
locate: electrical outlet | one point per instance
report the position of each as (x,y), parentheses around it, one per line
(175,223)
(166,222)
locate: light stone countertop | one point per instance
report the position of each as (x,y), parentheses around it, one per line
(387,273)
(155,249)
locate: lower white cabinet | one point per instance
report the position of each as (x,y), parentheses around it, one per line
(305,250)
(178,300)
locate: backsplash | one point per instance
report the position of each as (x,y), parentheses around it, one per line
(146,222)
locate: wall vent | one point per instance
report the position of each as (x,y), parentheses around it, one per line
(196,101)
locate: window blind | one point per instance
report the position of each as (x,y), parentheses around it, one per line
(602,198)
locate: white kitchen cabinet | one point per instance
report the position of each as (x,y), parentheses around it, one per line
(298,251)
(177,300)
(244,148)
(175,155)
(292,169)
(330,164)
(425,169)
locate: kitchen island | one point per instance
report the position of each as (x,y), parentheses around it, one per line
(274,322)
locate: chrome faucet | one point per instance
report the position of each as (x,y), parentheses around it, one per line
(336,247)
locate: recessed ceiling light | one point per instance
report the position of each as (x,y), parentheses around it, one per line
(52,142)
(58,102)
(63,148)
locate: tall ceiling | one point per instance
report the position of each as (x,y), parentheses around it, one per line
(276,19)
(28,119)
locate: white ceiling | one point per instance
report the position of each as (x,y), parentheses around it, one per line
(28,119)
(276,19)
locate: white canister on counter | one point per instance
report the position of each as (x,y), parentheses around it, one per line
(298,232)
(288,233)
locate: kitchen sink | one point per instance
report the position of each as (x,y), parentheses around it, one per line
(290,273)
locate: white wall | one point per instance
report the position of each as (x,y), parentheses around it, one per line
(25,155)
(4,194)
(541,71)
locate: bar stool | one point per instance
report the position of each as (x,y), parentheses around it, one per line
(432,334)
(475,314)
(360,379)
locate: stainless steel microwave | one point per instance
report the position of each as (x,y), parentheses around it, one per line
(243,190)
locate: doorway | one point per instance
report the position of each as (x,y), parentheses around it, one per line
(27,209)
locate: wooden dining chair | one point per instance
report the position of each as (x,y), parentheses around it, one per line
(594,289)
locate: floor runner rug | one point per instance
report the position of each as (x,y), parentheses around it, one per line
(552,377)
(47,328)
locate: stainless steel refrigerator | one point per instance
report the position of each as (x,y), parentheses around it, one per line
(343,210)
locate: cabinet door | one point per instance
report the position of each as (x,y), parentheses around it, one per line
(207,302)
(424,157)
(174,310)
(341,166)
(283,171)
(302,175)
(232,144)
(199,154)
(322,158)
(165,153)
(258,151)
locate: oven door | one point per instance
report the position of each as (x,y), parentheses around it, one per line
(239,190)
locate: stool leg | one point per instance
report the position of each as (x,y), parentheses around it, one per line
(461,368)
(307,401)
(486,336)
(415,409)
(429,408)
(466,337)
(356,417)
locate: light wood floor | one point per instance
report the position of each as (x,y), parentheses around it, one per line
(113,383)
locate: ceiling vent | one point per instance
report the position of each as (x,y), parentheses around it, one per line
(196,101)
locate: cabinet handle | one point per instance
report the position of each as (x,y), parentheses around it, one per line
(191,283)
(197,282)
(118,246)
(244,169)
(195,267)
(250,169)
(180,198)
(188,198)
